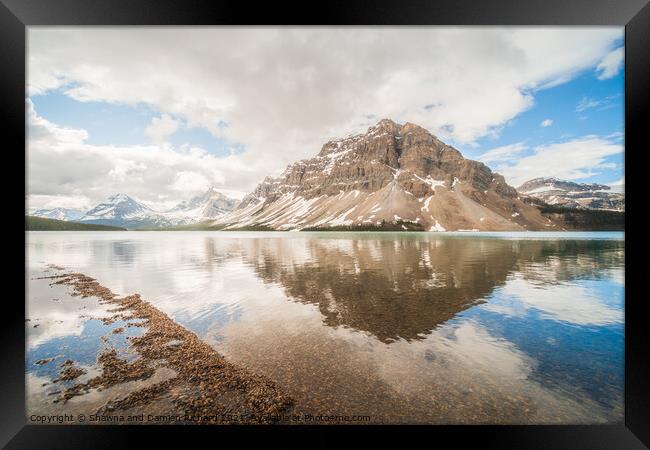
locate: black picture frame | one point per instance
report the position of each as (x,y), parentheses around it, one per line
(16,15)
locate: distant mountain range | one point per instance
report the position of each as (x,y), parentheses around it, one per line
(120,210)
(59,213)
(391,177)
(573,195)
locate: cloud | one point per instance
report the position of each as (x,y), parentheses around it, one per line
(188,181)
(282,92)
(161,128)
(86,174)
(40,129)
(59,201)
(504,153)
(601,104)
(574,159)
(611,64)
(546,123)
(587,103)
(571,303)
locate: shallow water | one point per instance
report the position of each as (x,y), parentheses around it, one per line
(397,327)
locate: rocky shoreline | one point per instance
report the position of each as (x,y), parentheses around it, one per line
(206,388)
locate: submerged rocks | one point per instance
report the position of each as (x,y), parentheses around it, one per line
(69,371)
(205,387)
(42,362)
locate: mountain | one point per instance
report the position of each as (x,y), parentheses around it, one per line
(59,213)
(569,194)
(209,205)
(123,211)
(391,177)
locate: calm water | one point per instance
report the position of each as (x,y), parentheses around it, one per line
(401,327)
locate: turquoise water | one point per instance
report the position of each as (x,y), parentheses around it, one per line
(401,327)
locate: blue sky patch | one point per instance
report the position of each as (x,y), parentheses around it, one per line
(581,107)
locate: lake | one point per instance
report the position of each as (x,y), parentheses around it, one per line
(386,327)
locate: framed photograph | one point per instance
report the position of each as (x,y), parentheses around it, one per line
(367,215)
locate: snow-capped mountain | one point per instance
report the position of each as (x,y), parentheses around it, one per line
(393,174)
(69,214)
(124,211)
(208,205)
(573,195)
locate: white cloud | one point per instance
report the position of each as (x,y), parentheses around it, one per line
(41,129)
(504,153)
(611,64)
(284,92)
(188,181)
(59,201)
(575,159)
(570,303)
(604,103)
(161,128)
(587,103)
(86,174)
(546,123)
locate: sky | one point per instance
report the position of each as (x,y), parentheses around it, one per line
(163,113)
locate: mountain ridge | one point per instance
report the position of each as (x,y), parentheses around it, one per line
(392,173)
(121,210)
(59,213)
(573,195)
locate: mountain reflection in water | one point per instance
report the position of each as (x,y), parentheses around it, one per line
(403,287)
(403,327)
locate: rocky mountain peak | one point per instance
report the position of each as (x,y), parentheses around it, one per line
(387,123)
(410,127)
(385,126)
(390,173)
